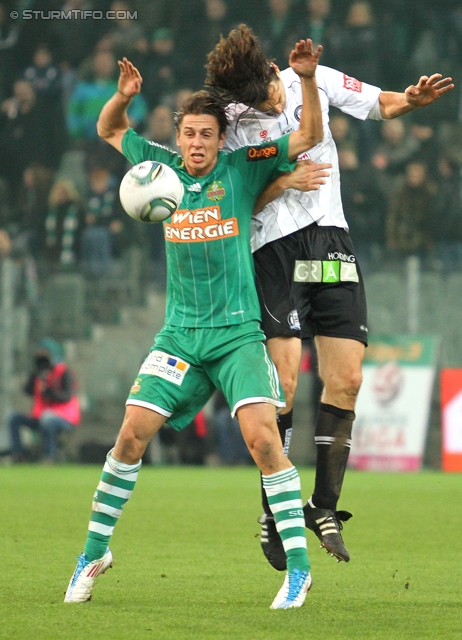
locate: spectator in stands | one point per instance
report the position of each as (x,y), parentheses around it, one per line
(63,226)
(276,29)
(44,75)
(126,37)
(105,222)
(55,403)
(89,97)
(210,18)
(45,78)
(365,207)
(161,127)
(408,224)
(355,44)
(343,131)
(180,97)
(32,207)
(161,69)
(315,22)
(393,153)
(76,37)
(23,137)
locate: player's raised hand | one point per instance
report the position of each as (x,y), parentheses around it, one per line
(304,59)
(129,79)
(428,89)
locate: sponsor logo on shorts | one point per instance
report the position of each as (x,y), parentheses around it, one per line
(254,154)
(165,366)
(298,113)
(199,225)
(325,271)
(216,191)
(337,255)
(293,320)
(136,387)
(287,438)
(352,84)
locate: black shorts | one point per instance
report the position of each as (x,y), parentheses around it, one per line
(309,283)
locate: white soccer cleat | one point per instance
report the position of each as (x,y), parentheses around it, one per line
(293,591)
(81,584)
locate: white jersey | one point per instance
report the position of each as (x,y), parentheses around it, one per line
(294,209)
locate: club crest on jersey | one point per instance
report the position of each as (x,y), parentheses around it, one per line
(216,191)
(263,134)
(352,84)
(254,154)
(298,113)
(165,366)
(136,387)
(293,320)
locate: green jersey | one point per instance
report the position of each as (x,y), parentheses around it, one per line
(210,274)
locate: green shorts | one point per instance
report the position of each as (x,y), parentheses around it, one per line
(185,366)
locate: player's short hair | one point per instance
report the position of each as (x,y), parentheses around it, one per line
(238,69)
(203,103)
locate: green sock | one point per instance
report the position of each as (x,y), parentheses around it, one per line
(114,489)
(285,501)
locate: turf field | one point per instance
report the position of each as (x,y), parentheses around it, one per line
(188,564)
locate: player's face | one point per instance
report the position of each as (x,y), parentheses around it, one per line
(276,101)
(199,140)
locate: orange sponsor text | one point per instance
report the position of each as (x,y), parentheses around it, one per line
(199,225)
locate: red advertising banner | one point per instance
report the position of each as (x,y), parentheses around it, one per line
(451,416)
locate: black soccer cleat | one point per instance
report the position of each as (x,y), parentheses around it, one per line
(271,543)
(327,524)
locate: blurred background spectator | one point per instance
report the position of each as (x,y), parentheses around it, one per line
(55,407)
(408,227)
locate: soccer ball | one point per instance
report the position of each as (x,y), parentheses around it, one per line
(150,191)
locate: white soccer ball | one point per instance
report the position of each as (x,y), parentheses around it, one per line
(150,191)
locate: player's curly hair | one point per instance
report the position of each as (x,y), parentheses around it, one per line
(238,69)
(202,102)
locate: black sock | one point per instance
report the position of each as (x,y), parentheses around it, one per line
(333,442)
(284,423)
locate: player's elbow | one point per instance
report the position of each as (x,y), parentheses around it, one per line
(310,139)
(102,131)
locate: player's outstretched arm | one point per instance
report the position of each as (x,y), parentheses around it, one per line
(307,176)
(113,120)
(426,91)
(304,60)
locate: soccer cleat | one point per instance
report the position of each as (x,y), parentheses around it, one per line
(327,524)
(271,543)
(81,584)
(293,592)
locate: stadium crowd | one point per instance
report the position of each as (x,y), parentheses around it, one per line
(59,206)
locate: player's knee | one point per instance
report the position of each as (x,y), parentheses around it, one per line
(48,421)
(289,386)
(344,383)
(264,445)
(129,437)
